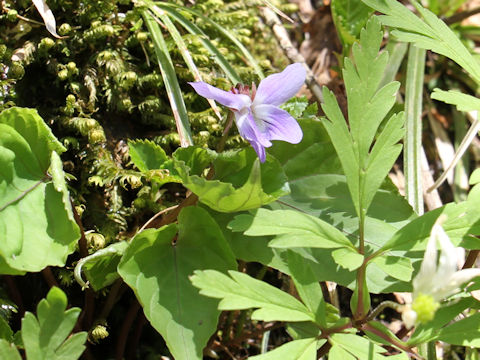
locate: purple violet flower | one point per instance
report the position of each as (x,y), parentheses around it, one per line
(257,115)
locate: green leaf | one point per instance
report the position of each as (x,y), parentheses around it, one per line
(241,291)
(299,230)
(431,33)
(48,336)
(100,268)
(349,17)
(8,351)
(367,107)
(32,186)
(357,346)
(348,258)
(5,330)
(146,155)
(463,102)
(308,287)
(337,352)
(395,266)
(170,80)
(157,265)
(414,235)
(242,183)
(465,332)
(304,349)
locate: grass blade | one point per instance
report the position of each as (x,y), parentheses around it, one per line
(229,35)
(182,47)
(170,80)
(195,30)
(413,128)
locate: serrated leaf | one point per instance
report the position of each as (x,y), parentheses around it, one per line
(349,17)
(367,107)
(45,337)
(303,349)
(300,230)
(463,102)
(241,291)
(241,182)
(358,346)
(146,155)
(32,186)
(157,265)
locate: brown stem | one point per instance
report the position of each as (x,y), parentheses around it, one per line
(127,324)
(112,298)
(325,292)
(228,126)
(462,16)
(137,334)
(471,258)
(324,349)
(172,216)
(82,243)
(49,278)
(394,342)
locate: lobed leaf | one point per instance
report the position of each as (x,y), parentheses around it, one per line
(241,291)
(429,33)
(46,337)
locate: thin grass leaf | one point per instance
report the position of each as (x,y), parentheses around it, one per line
(170,80)
(228,34)
(202,37)
(182,47)
(413,128)
(463,102)
(429,33)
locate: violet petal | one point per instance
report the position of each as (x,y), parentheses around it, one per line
(248,128)
(259,149)
(226,98)
(279,125)
(278,88)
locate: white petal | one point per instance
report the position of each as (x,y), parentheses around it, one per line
(447,264)
(423,282)
(453,283)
